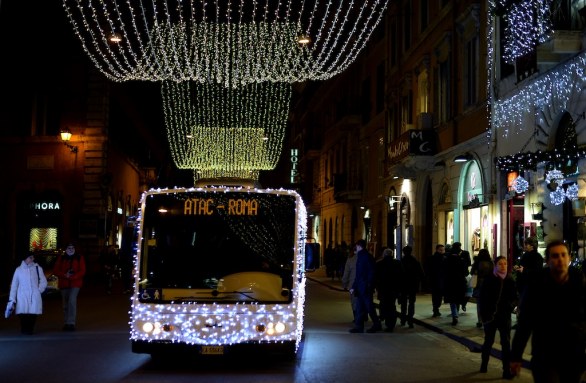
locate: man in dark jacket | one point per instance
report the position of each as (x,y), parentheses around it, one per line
(552,311)
(434,273)
(388,281)
(531,263)
(412,277)
(363,288)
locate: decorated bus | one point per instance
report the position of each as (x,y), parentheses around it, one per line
(217,269)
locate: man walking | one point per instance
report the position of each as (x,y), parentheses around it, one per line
(363,289)
(412,277)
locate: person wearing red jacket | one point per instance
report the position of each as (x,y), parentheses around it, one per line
(70,268)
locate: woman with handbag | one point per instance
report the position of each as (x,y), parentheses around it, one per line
(481,268)
(27,285)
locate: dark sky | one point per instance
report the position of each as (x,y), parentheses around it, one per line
(38,53)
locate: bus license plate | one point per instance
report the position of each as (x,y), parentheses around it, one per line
(212,350)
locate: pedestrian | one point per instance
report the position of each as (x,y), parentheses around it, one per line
(531,263)
(348,280)
(70,269)
(465,255)
(497,299)
(363,288)
(481,268)
(110,265)
(412,277)
(552,311)
(455,284)
(388,282)
(28,283)
(434,273)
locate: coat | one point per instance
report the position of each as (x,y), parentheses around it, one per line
(554,316)
(64,263)
(455,284)
(27,285)
(364,280)
(497,299)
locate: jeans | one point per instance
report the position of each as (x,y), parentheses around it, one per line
(69,299)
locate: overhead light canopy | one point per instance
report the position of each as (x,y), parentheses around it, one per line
(463,157)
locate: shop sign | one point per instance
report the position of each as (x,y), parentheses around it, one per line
(413,142)
(45,205)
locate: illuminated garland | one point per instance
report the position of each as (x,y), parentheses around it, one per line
(530,160)
(528,24)
(229,42)
(239,321)
(225,132)
(520,185)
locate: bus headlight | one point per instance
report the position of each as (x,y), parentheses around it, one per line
(148,327)
(280,327)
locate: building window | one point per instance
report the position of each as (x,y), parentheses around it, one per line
(406,108)
(393,44)
(407,26)
(366,100)
(423,14)
(442,91)
(380,87)
(470,78)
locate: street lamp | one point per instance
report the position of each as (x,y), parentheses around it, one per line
(65,137)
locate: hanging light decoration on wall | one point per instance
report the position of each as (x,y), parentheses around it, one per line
(224,132)
(227,42)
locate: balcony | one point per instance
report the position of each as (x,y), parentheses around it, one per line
(345,191)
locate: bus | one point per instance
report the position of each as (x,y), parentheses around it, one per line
(218,268)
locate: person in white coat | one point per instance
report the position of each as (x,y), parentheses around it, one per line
(28,283)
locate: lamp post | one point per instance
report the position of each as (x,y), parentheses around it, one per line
(65,138)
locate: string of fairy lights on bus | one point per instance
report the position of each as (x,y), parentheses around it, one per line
(230,42)
(225,132)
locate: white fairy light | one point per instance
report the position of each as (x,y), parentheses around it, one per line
(226,132)
(554,175)
(528,23)
(572,192)
(520,185)
(228,42)
(558,196)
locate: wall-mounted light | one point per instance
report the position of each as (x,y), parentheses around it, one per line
(66,137)
(392,200)
(463,157)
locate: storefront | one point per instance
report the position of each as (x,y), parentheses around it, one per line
(474,230)
(39,221)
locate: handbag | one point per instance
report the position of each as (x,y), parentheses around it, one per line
(9,309)
(473,281)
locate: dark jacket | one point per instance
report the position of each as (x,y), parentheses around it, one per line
(555,316)
(455,284)
(532,263)
(388,277)
(481,268)
(364,280)
(412,274)
(497,298)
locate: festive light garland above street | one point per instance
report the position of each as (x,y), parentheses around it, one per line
(224,132)
(228,42)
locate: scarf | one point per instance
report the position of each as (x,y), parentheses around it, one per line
(499,274)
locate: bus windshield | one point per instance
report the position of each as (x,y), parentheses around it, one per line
(225,246)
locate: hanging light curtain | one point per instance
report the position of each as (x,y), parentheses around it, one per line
(224,132)
(226,42)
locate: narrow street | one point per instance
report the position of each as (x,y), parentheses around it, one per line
(100,350)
